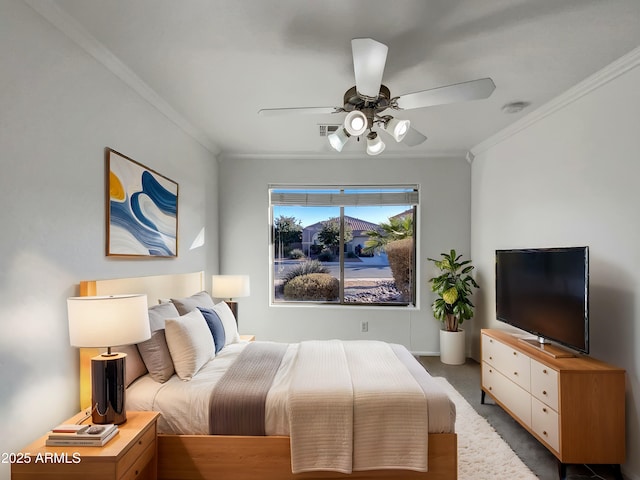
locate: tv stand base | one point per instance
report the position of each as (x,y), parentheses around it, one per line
(615,470)
(548,348)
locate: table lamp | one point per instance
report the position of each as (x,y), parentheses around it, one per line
(108,321)
(230,286)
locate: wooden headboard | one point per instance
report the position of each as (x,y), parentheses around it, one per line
(155,287)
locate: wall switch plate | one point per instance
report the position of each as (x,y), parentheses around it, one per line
(364,326)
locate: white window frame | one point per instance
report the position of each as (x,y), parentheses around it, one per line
(336,195)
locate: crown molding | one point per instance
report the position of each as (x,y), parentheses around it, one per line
(72,29)
(591,83)
(429,155)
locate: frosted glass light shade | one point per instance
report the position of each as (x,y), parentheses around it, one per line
(398,129)
(369,58)
(230,286)
(375,146)
(338,139)
(355,123)
(108,321)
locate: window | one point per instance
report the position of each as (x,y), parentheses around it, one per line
(344,245)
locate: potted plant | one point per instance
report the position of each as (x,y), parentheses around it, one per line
(453,306)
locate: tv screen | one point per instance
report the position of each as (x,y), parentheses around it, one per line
(545,292)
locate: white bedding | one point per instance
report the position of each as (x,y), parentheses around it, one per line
(185,405)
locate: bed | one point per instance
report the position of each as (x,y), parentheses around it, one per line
(186,452)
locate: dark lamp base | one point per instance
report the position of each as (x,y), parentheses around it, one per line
(107,389)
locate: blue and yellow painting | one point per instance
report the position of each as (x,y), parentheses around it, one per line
(143,210)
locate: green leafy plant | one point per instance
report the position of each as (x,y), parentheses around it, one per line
(454,287)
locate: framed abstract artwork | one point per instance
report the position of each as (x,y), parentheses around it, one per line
(142,210)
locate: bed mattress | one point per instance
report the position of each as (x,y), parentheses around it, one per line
(184,405)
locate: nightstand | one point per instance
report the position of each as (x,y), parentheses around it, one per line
(248,338)
(130,455)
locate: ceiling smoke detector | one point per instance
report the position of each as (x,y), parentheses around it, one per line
(514,107)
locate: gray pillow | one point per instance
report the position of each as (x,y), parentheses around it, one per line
(134,365)
(199,300)
(155,352)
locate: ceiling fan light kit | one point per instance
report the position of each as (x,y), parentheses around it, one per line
(338,139)
(375,145)
(356,123)
(398,129)
(369,98)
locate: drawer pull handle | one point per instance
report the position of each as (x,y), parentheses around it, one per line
(490,371)
(515,373)
(544,410)
(544,392)
(545,433)
(490,388)
(490,357)
(515,353)
(544,371)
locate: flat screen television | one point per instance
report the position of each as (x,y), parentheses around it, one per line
(545,291)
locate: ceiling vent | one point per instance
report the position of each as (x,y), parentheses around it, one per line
(327,129)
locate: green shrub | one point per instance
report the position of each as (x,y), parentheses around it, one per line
(326,255)
(296,254)
(400,255)
(304,268)
(313,286)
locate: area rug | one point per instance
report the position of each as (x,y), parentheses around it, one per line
(482,453)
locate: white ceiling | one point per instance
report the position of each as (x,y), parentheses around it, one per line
(217,62)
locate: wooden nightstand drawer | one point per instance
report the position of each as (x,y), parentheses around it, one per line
(131,454)
(141,467)
(132,461)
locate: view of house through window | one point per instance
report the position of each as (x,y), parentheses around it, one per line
(344,245)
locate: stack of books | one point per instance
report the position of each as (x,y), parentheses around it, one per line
(81,435)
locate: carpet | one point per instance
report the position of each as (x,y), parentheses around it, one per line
(482,453)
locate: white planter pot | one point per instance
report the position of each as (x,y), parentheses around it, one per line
(452,347)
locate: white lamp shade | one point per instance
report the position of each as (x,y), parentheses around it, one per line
(355,123)
(397,128)
(338,139)
(108,321)
(375,146)
(230,286)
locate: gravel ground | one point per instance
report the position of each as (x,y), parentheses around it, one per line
(375,291)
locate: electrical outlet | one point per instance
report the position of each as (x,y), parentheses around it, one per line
(364,326)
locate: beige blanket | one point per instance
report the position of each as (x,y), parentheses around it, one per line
(354,405)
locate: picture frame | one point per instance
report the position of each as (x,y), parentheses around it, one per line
(141,209)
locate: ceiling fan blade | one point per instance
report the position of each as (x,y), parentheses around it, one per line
(413,138)
(369,59)
(459,92)
(274,112)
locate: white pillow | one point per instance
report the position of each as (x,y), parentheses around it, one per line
(228,322)
(190,343)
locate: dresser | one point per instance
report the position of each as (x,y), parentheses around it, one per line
(575,406)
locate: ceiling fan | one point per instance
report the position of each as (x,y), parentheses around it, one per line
(366,102)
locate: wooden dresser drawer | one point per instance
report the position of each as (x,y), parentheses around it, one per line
(544,384)
(510,362)
(544,422)
(511,396)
